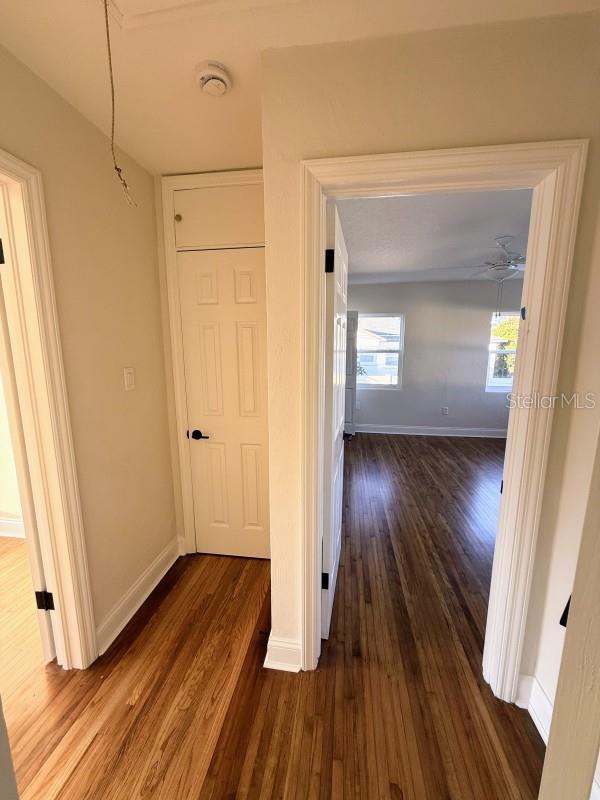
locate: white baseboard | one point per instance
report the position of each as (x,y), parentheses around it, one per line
(12,526)
(283,654)
(420,430)
(532,697)
(123,611)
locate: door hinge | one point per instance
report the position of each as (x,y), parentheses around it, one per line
(501,486)
(523,312)
(44,601)
(324,580)
(329,260)
(565,614)
(1,253)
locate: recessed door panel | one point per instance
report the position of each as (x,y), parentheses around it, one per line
(218,505)
(211,376)
(248,354)
(251,485)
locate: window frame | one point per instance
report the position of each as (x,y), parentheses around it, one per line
(361,387)
(500,388)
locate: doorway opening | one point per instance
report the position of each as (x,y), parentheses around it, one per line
(50,562)
(554,172)
(432,298)
(26,641)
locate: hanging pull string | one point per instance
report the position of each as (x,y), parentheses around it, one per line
(499,294)
(117,168)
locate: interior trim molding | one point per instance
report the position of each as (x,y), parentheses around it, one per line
(284,654)
(39,414)
(420,430)
(555,171)
(174,364)
(12,527)
(532,697)
(123,611)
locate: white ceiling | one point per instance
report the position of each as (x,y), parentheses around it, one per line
(431,237)
(163,120)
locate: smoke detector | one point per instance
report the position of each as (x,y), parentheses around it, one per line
(213,79)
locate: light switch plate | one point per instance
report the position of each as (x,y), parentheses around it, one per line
(129,378)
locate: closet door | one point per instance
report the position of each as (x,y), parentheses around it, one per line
(223,315)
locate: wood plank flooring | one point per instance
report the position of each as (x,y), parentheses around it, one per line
(143,720)
(180,707)
(397,708)
(20,643)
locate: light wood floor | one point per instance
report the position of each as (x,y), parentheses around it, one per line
(180,707)
(20,643)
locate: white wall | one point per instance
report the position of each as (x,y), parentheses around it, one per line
(10,503)
(446,338)
(107,291)
(415,92)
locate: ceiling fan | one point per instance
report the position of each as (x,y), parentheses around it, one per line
(508,263)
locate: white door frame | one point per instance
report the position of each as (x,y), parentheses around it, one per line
(175,363)
(39,414)
(555,171)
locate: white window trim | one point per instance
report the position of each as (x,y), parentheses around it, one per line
(495,385)
(383,386)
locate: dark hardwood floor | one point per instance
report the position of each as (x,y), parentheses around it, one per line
(397,708)
(180,707)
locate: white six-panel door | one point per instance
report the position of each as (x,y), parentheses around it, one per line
(222,296)
(335,397)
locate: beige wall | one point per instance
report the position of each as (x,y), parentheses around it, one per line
(446,339)
(518,82)
(105,269)
(10,502)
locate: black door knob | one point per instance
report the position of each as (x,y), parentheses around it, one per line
(196,434)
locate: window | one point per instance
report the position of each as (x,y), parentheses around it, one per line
(379,350)
(504,334)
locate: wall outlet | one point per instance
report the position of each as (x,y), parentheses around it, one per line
(444,411)
(129,378)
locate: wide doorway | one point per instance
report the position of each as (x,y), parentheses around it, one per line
(23,652)
(432,304)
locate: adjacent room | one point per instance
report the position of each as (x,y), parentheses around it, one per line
(21,651)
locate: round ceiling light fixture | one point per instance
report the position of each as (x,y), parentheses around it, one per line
(213,78)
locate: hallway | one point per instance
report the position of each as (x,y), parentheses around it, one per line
(398,707)
(180,707)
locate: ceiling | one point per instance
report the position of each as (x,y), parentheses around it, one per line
(431,237)
(163,120)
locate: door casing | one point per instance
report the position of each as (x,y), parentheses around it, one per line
(555,171)
(39,417)
(166,188)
